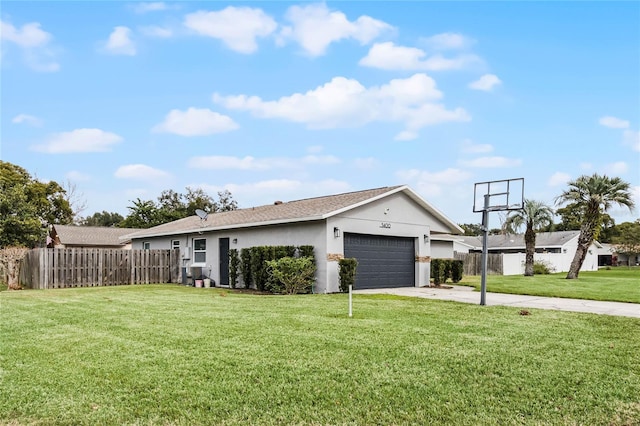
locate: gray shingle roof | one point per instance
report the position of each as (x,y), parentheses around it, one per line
(516,241)
(92,235)
(293,211)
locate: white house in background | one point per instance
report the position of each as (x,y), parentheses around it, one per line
(389,230)
(444,246)
(555,248)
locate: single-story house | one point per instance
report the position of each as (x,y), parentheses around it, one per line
(69,236)
(555,248)
(388,230)
(609,256)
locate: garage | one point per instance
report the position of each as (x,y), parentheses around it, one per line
(382,261)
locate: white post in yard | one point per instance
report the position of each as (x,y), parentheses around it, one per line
(350,301)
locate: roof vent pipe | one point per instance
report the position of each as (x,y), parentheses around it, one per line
(277,203)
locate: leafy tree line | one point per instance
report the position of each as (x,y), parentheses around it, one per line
(169,206)
(28,206)
(173,205)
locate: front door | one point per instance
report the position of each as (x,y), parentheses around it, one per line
(224,261)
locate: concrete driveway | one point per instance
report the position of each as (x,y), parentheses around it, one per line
(467,295)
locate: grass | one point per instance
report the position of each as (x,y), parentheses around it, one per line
(167,354)
(619,284)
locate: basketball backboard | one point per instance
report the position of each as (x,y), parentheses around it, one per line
(498,195)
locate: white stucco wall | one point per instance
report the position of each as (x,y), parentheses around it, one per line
(442,249)
(513,264)
(396,215)
(308,233)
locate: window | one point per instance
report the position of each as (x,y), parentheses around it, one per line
(146,245)
(175,244)
(200,250)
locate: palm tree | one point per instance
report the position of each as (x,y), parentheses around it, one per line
(535,215)
(594,195)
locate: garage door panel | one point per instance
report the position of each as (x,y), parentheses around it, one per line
(382,261)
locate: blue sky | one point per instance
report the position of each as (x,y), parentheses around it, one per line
(282,101)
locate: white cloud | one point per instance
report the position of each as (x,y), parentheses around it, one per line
(389,56)
(34,43)
(140,172)
(492,162)
(27,119)
(156,31)
(268,191)
(195,122)
(448,41)
(586,166)
(485,83)
(406,135)
(237,27)
(314,27)
(613,122)
(145,7)
(249,163)
(29,36)
(79,140)
(315,149)
(472,148)
(368,163)
(120,43)
(76,176)
(558,178)
(320,159)
(617,168)
(432,183)
(632,139)
(345,102)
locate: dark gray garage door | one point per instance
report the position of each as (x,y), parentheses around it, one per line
(382,261)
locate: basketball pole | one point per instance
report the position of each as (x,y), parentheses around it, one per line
(485,232)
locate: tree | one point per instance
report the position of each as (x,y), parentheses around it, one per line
(593,196)
(172,205)
(535,215)
(627,242)
(143,214)
(27,206)
(471,229)
(102,219)
(571,220)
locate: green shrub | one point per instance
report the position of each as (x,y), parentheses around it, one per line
(306,251)
(245,266)
(234,266)
(347,273)
(540,267)
(457,269)
(291,275)
(438,271)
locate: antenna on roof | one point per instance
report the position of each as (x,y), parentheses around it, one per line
(202,214)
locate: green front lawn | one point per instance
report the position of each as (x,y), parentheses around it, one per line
(167,354)
(620,284)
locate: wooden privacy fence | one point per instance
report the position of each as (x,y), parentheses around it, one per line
(81,267)
(473,263)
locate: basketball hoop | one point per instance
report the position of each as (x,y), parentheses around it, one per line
(495,196)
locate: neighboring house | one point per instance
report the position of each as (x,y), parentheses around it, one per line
(608,256)
(444,246)
(69,236)
(555,248)
(387,229)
